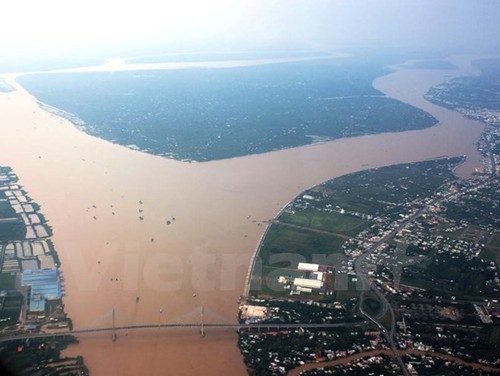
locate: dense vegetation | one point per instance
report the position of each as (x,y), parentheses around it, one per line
(206,114)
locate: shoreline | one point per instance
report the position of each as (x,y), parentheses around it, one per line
(76,177)
(120,65)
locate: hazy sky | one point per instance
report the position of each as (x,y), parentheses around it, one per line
(40,24)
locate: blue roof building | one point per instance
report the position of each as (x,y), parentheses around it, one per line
(44,284)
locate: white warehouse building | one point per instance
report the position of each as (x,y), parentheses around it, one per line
(308,283)
(305,267)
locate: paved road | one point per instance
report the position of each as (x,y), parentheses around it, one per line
(368,285)
(385,305)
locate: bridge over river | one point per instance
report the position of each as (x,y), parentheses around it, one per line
(201,325)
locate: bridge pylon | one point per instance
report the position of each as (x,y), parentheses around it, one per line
(113,335)
(202,326)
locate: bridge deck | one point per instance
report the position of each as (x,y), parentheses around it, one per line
(263,326)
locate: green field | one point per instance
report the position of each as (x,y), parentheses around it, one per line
(492,249)
(353,289)
(304,244)
(333,222)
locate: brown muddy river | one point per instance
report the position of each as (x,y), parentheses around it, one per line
(93,192)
